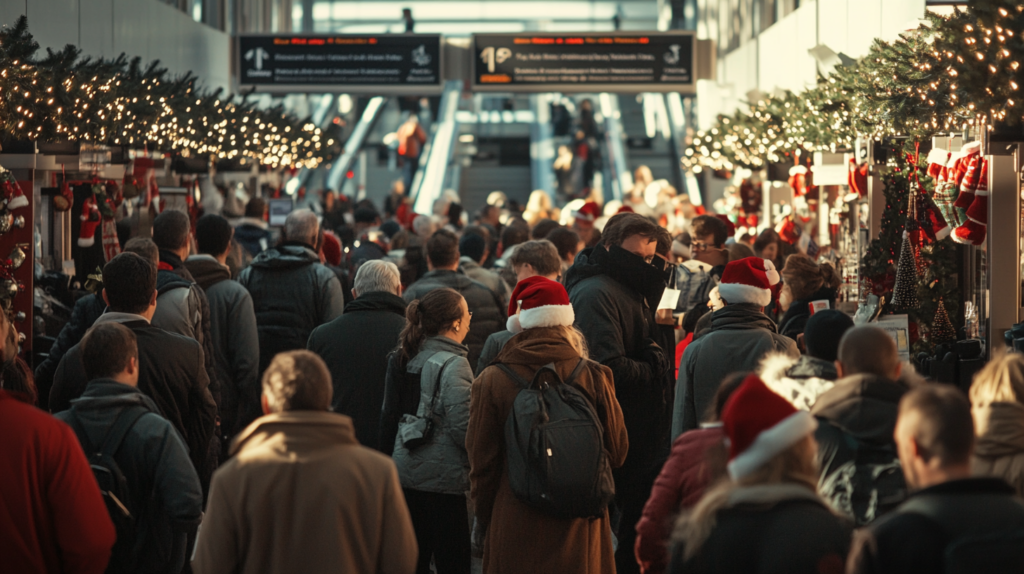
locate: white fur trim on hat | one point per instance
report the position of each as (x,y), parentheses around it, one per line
(798,170)
(546,316)
(771,442)
(733,293)
(513,324)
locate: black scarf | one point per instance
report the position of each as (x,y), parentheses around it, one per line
(647,279)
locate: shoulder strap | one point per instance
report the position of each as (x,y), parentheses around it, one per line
(124,423)
(513,375)
(440,373)
(83,437)
(576,371)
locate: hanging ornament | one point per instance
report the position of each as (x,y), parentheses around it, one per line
(90,220)
(942,330)
(6,221)
(17,257)
(64,200)
(904,293)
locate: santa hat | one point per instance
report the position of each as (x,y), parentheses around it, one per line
(760,425)
(587,213)
(540,302)
(625,209)
(17,199)
(748,280)
(331,249)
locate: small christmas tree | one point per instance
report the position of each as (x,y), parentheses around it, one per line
(942,330)
(904,293)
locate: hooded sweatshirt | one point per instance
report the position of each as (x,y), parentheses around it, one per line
(235,342)
(166,497)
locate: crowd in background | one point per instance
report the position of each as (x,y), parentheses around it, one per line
(739,424)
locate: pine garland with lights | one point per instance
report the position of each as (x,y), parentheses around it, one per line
(950,73)
(63,96)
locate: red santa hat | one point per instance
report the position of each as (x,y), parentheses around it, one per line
(730,227)
(587,214)
(331,249)
(539,302)
(760,425)
(748,280)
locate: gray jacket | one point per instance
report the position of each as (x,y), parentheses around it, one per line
(739,337)
(179,310)
(442,464)
(492,346)
(491,279)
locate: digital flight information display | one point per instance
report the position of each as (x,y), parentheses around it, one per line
(619,62)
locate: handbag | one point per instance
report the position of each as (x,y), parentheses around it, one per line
(415,431)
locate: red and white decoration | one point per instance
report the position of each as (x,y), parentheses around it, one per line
(587,214)
(90,221)
(760,425)
(539,302)
(748,280)
(974,199)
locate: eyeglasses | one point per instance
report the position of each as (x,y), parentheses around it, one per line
(698,246)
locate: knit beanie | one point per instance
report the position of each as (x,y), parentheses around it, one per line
(823,332)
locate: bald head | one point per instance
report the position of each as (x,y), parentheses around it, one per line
(868,350)
(301,225)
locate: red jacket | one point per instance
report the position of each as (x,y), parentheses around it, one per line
(52,516)
(680,485)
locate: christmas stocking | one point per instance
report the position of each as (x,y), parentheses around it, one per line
(973,230)
(937,159)
(111,246)
(969,181)
(930,219)
(90,221)
(946,191)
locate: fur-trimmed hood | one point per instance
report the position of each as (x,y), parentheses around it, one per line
(799,380)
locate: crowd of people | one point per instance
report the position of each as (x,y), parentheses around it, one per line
(372,390)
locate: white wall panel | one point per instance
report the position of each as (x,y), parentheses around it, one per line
(96,19)
(53,23)
(832,23)
(897,16)
(864,24)
(11,10)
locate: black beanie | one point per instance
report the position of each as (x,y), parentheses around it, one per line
(823,332)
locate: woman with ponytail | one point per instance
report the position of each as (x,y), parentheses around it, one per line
(805,282)
(766,516)
(423,426)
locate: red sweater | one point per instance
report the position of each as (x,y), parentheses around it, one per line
(680,485)
(52,515)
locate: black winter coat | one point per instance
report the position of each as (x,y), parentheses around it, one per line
(87,309)
(355,347)
(794,321)
(292,294)
(171,373)
(489,313)
(163,486)
(618,325)
(912,541)
(234,342)
(770,529)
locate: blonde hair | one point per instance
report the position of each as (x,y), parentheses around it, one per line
(795,465)
(1001,381)
(575,339)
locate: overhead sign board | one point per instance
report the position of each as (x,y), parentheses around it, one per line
(379,64)
(591,62)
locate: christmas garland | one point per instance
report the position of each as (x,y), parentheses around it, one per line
(64,96)
(950,73)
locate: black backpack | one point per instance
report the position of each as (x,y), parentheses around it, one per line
(113,484)
(555,442)
(867,486)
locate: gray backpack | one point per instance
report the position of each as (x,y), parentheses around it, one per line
(555,446)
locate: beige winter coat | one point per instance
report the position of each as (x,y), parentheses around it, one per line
(999,452)
(301,495)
